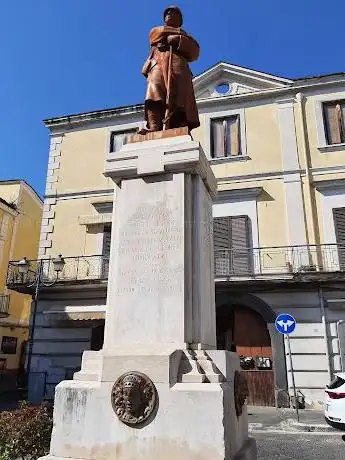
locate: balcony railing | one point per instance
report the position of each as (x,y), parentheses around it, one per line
(228,263)
(4,305)
(279,260)
(81,268)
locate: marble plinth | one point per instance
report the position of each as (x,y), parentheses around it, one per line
(160,322)
(193,421)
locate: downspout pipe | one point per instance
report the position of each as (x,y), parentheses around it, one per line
(311,230)
(325,333)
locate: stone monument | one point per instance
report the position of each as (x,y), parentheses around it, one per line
(159,388)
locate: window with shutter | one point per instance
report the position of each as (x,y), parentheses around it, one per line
(339,225)
(106,251)
(334,117)
(119,138)
(225,137)
(232,245)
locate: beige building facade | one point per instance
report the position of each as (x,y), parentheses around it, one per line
(20,222)
(277,148)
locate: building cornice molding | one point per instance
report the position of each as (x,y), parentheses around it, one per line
(99,219)
(65,122)
(80,194)
(22,182)
(330,185)
(275,94)
(7,208)
(238,194)
(61,124)
(241,71)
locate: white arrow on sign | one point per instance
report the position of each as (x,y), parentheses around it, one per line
(285,324)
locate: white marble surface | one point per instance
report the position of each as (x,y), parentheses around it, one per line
(193,420)
(147,288)
(160,321)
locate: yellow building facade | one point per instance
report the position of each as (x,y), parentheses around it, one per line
(277,149)
(20,222)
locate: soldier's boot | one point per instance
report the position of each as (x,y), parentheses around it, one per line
(154,116)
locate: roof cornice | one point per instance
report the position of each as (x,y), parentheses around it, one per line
(23,183)
(269,93)
(7,207)
(243,71)
(96,115)
(71,121)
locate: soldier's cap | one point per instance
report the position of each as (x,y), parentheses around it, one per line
(173,7)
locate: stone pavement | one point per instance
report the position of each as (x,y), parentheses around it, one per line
(303,446)
(272,419)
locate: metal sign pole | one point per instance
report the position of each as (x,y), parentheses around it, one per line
(292,376)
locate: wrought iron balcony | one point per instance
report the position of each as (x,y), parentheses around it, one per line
(81,268)
(228,263)
(279,260)
(4,305)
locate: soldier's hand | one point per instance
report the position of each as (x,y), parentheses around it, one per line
(173,40)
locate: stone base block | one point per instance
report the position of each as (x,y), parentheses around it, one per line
(191,421)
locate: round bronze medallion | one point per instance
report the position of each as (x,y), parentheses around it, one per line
(133,398)
(240,391)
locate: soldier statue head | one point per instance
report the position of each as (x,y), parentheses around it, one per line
(173,16)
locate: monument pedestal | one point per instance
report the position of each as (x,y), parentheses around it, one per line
(159,388)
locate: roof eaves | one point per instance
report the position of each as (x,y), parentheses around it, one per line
(322,76)
(81,118)
(136,108)
(21,181)
(225,63)
(9,205)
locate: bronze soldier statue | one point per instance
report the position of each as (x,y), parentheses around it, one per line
(170,101)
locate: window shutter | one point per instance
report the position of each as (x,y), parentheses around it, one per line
(240,245)
(234,141)
(331,114)
(217,138)
(232,242)
(225,137)
(341,116)
(106,242)
(221,233)
(221,243)
(339,224)
(106,251)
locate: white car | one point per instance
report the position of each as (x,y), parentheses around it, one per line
(335,401)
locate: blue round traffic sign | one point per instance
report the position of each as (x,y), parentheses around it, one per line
(285,323)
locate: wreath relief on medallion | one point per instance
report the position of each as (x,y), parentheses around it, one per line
(240,391)
(134,398)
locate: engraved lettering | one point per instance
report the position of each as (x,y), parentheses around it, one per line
(149,243)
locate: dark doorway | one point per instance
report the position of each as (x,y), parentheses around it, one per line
(244,331)
(97,337)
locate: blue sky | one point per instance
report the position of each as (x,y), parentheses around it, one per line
(60,57)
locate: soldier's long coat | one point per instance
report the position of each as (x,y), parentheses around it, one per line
(156,71)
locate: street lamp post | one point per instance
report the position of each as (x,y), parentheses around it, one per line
(23,268)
